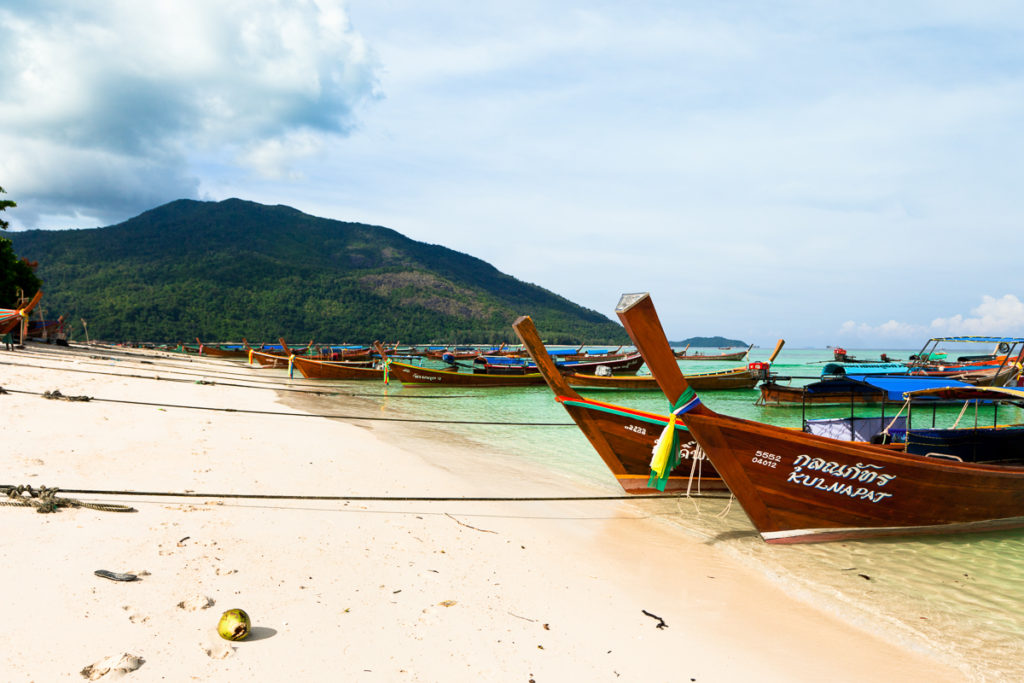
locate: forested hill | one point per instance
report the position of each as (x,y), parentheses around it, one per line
(224,270)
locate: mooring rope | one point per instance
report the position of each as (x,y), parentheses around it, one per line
(417,499)
(44,499)
(56,394)
(314,389)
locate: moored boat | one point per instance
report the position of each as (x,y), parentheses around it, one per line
(10,318)
(623,437)
(742,377)
(733,355)
(417,374)
(328,369)
(798,487)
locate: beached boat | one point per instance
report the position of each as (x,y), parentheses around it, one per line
(620,365)
(417,374)
(330,369)
(734,355)
(222,350)
(798,487)
(11,318)
(45,328)
(623,437)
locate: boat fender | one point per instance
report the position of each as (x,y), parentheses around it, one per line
(1004,347)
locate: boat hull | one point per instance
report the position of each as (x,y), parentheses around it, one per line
(321,369)
(625,439)
(414,374)
(799,488)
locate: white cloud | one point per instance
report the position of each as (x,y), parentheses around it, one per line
(107,106)
(1003,316)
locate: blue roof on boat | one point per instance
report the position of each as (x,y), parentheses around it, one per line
(896,386)
(506,360)
(983,340)
(864,369)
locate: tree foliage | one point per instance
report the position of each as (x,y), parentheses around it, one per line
(16,276)
(5,204)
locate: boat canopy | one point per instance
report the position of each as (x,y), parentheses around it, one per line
(864,369)
(893,386)
(968,393)
(982,340)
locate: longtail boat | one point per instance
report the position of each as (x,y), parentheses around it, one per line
(222,350)
(12,317)
(331,369)
(626,364)
(797,487)
(623,437)
(850,389)
(45,328)
(417,374)
(742,377)
(734,355)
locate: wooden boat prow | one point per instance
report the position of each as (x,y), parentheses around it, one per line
(11,318)
(624,438)
(797,487)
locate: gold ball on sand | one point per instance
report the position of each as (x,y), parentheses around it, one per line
(234,625)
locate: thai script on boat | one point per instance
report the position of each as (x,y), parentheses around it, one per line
(861,473)
(691,450)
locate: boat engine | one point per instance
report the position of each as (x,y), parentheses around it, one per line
(759,369)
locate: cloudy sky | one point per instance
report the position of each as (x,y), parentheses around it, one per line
(827,172)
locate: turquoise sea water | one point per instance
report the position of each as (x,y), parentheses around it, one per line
(961,596)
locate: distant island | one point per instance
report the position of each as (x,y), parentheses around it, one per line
(711,342)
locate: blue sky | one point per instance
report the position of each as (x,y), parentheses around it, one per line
(827,172)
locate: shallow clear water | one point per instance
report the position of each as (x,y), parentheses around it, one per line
(962,596)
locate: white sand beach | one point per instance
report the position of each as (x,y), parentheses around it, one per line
(358,590)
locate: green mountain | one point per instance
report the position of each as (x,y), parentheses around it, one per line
(224,270)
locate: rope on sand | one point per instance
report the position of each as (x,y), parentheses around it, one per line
(256,383)
(45,499)
(56,394)
(418,499)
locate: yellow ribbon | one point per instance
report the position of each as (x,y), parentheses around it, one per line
(663,447)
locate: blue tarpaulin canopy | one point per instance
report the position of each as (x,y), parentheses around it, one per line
(894,387)
(983,340)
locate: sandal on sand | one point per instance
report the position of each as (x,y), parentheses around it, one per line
(115,576)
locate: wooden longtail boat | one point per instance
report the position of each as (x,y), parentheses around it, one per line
(798,487)
(852,389)
(742,377)
(623,437)
(333,369)
(735,355)
(10,318)
(221,350)
(627,364)
(44,328)
(415,374)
